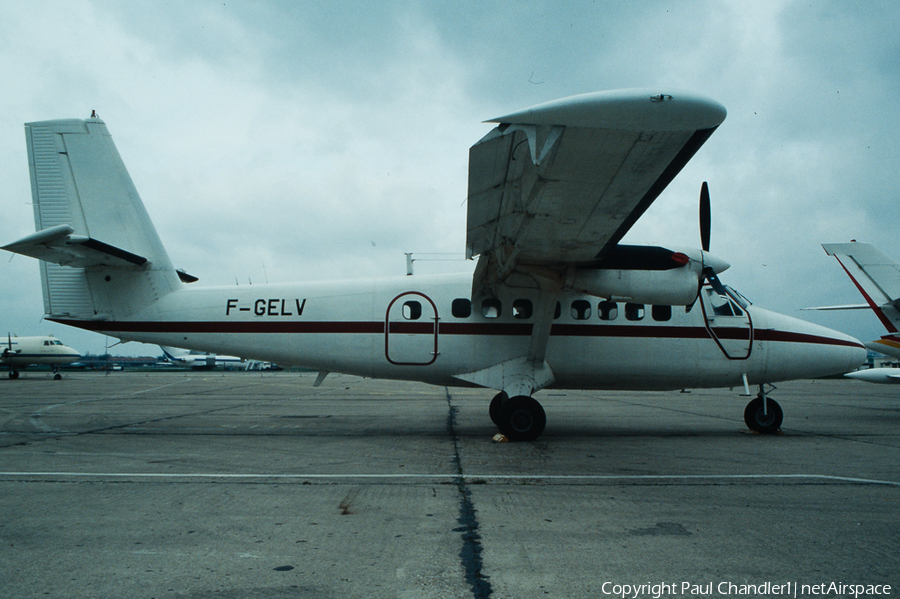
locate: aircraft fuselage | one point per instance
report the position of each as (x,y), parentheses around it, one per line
(425,328)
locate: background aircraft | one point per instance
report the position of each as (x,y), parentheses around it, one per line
(196,359)
(20,352)
(877,278)
(555,300)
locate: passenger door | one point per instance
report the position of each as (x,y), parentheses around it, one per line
(411,330)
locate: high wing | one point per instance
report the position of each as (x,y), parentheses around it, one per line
(552,191)
(561,183)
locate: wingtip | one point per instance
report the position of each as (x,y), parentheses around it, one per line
(631,109)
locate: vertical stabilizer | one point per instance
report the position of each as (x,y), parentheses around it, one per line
(101,256)
(875,275)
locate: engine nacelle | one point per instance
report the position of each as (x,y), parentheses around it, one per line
(674,287)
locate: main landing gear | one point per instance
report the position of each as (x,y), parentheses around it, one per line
(14,374)
(519,418)
(762,414)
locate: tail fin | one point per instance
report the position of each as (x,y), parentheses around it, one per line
(173,354)
(101,256)
(875,275)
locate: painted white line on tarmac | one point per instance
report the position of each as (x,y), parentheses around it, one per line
(471,477)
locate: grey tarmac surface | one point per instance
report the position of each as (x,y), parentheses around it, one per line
(246,485)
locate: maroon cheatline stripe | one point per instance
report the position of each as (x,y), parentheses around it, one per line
(450,328)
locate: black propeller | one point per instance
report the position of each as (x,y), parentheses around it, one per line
(705,217)
(705,225)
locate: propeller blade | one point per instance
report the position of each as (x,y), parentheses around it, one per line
(705,217)
(714,281)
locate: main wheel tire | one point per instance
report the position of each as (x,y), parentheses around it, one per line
(766,423)
(13,374)
(522,418)
(496,404)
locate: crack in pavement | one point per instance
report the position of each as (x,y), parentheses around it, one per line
(470,553)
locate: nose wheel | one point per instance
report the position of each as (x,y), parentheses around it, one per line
(763,415)
(519,418)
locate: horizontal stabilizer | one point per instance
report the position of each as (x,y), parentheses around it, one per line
(59,245)
(844,307)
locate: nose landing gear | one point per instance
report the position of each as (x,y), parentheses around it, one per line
(763,415)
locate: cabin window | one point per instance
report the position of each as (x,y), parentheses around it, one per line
(608,310)
(634,311)
(461,308)
(557,312)
(661,313)
(522,309)
(491,308)
(412,310)
(581,309)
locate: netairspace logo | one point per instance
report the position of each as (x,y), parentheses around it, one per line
(730,589)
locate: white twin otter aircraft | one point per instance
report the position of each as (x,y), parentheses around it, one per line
(556,300)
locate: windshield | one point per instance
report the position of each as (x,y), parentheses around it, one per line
(743,301)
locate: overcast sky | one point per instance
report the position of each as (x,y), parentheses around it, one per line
(282,141)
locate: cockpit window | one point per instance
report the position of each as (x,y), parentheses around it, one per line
(722,305)
(739,298)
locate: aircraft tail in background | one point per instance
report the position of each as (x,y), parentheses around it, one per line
(877,277)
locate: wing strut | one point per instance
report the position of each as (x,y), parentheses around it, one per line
(530,372)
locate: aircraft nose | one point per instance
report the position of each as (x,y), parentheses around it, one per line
(800,349)
(855,356)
